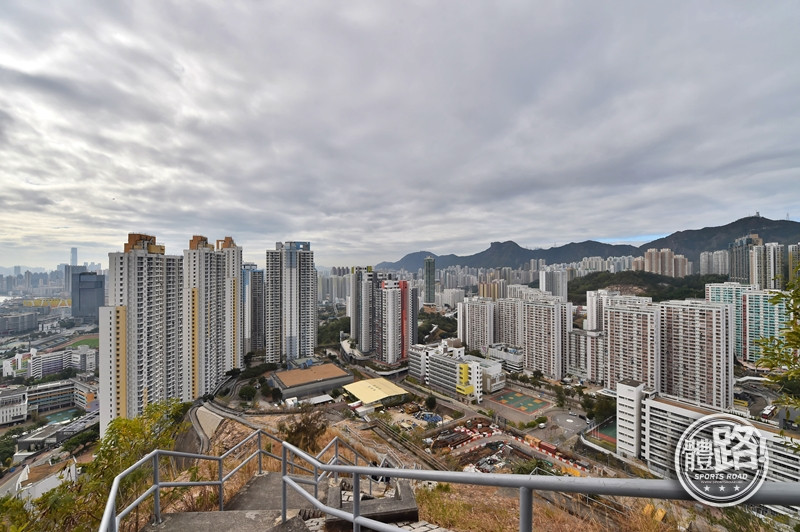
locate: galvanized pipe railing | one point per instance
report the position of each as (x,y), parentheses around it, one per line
(111,519)
(770,493)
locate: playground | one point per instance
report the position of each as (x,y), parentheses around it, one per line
(519,401)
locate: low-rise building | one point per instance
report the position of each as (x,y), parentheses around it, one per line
(310,381)
(511,357)
(13,405)
(447,370)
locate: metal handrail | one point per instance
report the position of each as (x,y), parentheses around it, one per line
(111,519)
(770,493)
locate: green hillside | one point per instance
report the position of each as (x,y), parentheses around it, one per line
(659,287)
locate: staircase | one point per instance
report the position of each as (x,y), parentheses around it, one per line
(256,507)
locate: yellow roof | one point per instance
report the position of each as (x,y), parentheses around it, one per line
(373,390)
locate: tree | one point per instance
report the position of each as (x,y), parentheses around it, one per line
(305,429)
(430,402)
(79,506)
(248,358)
(780,353)
(561,397)
(247,392)
(277,394)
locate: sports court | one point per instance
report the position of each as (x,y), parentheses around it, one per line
(606,431)
(519,401)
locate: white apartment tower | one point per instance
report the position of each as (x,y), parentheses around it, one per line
(476,322)
(546,325)
(632,327)
(697,352)
(391,327)
(508,321)
(140,330)
(213,315)
(290,286)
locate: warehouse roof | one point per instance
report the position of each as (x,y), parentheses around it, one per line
(374,390)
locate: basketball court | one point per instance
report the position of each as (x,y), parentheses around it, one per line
(519,401)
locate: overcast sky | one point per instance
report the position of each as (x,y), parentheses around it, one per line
(375,129)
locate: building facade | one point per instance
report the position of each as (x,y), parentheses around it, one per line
(290,285)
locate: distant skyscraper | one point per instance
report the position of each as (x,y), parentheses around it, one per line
(739,256)
(290,294)
(140,330)
(69,272)
(430,281)
(73,256)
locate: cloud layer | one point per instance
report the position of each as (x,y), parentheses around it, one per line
(375,129)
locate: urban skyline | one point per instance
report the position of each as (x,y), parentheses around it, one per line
(287,122)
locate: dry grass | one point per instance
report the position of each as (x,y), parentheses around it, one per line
(486,509)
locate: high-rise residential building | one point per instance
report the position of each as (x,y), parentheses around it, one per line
(452,297)
(88,295)
(252,307)
(793,259)
(509,326)
(632,328)
(429,275)
(739,257)
(731,293)
(766,266)
(696,355)
(73,256)
(140,330)
(390,344)
(359,308)
(586,355)
(595,302)
(213,317)
(290,308)
(476,322)
(761,318)
(409,312)
(555,282)
(547,322)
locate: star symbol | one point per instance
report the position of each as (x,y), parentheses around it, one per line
(736,488)
(722,488)
(707,488)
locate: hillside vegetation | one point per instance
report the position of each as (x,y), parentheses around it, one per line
(659,287)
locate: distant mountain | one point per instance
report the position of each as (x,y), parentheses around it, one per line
(512,254)
(689,243)
(693,242)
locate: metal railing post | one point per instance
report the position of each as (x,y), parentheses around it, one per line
(112,523)
(525,509)
(221,488)
(260,467)
(157,492)
(284,453)
(336,455)
(356,501)
(316,482)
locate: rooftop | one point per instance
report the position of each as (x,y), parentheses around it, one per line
(374,390)
(298,377)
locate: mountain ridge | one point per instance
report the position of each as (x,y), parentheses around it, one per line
(688,242)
